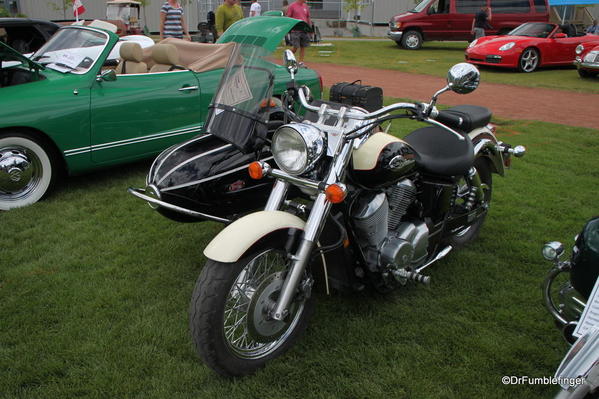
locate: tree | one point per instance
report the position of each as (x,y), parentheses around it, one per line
(353,5)
(61,5)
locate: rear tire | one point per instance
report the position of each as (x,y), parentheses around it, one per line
(463,237)
(227,314)
(411,40)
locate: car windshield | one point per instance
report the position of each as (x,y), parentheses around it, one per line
(72,50)
(533,30)
(420,6)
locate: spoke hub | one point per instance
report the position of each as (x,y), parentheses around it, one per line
(261,326)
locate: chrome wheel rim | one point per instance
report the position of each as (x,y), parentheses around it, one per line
(248,331)
(20,172)
(412,41)
(529,60)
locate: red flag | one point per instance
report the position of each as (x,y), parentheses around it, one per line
(78,8)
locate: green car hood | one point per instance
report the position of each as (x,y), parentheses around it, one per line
(263,31)
(7,53)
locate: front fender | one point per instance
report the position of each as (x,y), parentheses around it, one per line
(235,239)
(485,144)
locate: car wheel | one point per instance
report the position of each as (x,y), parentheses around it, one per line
(411,40)
(27,170)
(529,60)
(586,74)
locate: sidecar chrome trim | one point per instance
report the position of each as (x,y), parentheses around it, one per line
(203,154)
(177,147)
(139,193)
(211,177)
(548,300)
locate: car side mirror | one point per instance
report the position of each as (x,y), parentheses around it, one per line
(108,75)
(290,63)
(560,36)
(463,78)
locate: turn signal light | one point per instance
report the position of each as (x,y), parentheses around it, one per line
(335,193)
(256,171)
(269,102)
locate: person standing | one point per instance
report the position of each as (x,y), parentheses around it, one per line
(285,7)
(299,38)
(226,15)
(255,9)
(172,21)
(593,29)
(481,22)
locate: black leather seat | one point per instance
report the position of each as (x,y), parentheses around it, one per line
(440,152)
(465,117)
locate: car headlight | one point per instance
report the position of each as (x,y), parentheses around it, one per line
(591,56)
(553,250)
(579,49)
(473,43)
(296,147)
(507,46)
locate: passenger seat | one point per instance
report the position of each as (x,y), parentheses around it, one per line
(131,59)
(165,57)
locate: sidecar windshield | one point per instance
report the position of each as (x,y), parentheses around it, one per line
(239,110)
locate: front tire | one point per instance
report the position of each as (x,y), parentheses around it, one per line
(27,170)
(586,74)
(529,60)
(228,313)
(468,234)
(411,40)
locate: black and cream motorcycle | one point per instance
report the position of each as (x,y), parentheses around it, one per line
(351,206)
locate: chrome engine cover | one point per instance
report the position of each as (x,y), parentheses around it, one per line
(406,247)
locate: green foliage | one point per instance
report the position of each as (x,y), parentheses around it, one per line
(4,12)
(353,5)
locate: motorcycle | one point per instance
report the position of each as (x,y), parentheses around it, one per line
(575,310)
(349,206)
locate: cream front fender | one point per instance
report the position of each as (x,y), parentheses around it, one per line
(234,241)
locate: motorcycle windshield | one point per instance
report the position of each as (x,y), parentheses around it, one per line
(239,109)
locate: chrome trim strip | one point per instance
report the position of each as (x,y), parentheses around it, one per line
(177,148)
(139,193)
(211,177)
(167,174)
(156,136)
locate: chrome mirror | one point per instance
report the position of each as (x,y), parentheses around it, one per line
(108,75)
(463,78)
(290,63)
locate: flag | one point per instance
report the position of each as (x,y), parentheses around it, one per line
(78,8)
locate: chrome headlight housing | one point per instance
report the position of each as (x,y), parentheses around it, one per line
(579,49)
(507,46)
(552,250)
(296,147)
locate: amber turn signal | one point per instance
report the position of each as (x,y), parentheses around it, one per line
(335,193)
(256,171)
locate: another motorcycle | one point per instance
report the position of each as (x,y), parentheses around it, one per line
(350,207)
(575,312)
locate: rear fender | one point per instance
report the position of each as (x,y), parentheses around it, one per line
(237,238)
(485,145)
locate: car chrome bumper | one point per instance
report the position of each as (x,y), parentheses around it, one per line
(394,35)
(586,65)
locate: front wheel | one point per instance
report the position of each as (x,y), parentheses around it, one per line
(529,60)
(27,170)
(411,40)
(586,74)
(467,234)
(229,313)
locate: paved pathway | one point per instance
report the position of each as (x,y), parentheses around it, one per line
(512,102)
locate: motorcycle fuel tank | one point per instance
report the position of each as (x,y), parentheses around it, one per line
(208,175)
(381,161)
(585,259)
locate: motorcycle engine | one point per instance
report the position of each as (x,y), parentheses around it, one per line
(386,239)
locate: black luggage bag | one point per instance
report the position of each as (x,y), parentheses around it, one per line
(368,97)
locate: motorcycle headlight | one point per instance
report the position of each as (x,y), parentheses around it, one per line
(553,250)
(507,46)
(473,43)
(296,147)
(579,49)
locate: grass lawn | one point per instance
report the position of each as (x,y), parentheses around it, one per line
(435,58)
(94,291)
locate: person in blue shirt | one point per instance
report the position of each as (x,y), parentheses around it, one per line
(593,29)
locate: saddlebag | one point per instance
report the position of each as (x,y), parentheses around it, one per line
(368,97)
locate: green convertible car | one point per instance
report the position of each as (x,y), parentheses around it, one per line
(66,108)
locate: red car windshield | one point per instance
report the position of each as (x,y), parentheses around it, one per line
(532,29)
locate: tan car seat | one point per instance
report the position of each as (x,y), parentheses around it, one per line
(165,57)
(131,59)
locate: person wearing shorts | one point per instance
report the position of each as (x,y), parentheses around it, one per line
(299,39)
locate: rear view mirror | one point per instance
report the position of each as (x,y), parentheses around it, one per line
(463,78)
(108,75)
(290,63)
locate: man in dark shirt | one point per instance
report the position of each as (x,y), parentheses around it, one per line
(481,22)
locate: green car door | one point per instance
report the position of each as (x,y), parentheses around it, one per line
(137,115)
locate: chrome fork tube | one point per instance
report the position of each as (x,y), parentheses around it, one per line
(277,195)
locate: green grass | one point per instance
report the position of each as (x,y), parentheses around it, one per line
(435,58)
(94,291)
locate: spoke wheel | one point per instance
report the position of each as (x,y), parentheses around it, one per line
(26,170)
(529,60)
(230,311)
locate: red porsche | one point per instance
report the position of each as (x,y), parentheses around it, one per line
(529,46)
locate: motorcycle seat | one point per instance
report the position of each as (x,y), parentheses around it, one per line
(465,117)
(440,152)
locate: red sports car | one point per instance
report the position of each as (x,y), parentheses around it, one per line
(529,46)
(587,59)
